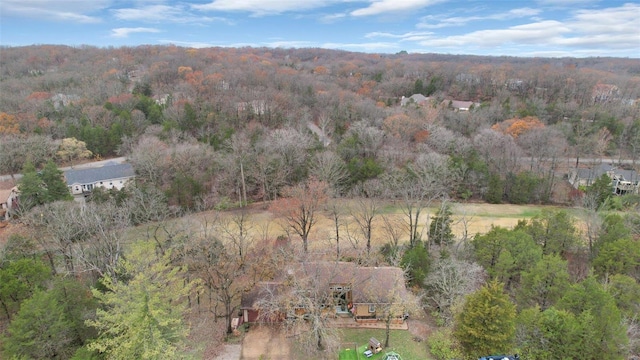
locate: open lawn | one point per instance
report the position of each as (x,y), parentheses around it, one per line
(400,341)
(349,354)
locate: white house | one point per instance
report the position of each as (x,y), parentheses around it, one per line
(110,176)
(8,200)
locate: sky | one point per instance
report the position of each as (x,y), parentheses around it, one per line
(534,28)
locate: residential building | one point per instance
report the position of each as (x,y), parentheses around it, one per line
(342,289)
(623,181)
(110,176)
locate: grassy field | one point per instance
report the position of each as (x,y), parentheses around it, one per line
(400,341)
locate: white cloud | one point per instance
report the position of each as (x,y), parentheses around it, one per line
(161,13)
(381,7)
(125,32)
(599,32)
(436,22)
(364,47)
(59,10)
(565,3)
(265,7)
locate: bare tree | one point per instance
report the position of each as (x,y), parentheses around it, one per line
(16,149)
(236,229)
(364,213)
(449,281)
(394,229)
(304,303)
(327,166)
(335,212)
(299,209)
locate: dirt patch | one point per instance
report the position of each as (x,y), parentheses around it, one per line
(263,342)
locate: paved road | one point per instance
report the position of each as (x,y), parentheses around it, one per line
(92,164)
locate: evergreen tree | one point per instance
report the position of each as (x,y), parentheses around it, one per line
(416,262)
(555,231)
(54,184)
(601,189)
(40,330)
(18,281)
(495,189)
(554,334)
(545,283)
(486,324)
(142,317)
(31,188)
(440,231)
(589,298)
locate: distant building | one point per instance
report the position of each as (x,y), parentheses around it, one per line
(622,181)
(110,176)
(602,93)
(417,99)
(8,202)
(461,105)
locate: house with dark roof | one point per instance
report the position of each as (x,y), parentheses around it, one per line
(343,289)
(110,176)
(623,181)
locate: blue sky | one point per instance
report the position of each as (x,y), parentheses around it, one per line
(546,28)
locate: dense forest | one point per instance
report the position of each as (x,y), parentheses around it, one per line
(218,131)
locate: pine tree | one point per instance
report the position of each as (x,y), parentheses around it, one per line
(486,324)
(55,186)
(440,231)
(40,330)
(31,189)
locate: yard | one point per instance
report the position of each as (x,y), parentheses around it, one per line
(400,341)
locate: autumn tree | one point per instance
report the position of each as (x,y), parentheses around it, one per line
(299,207)
(486,324)
(518,126)
(73,149)
(8,124)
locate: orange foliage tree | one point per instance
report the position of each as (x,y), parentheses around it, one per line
(299,207)
(516,126)
(8,124)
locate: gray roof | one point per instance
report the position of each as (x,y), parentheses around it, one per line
(596,172)
(92,175)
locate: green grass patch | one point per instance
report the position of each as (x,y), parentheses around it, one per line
(400,341)
(348,354)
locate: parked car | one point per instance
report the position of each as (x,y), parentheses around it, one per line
(500,357)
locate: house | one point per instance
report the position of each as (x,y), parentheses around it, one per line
(417,99)
(343,289)
(622,181)
(603,93)
(459,105)
(8,202)
(110,176)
